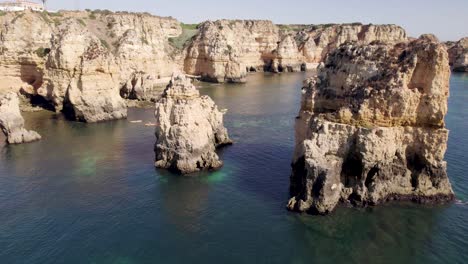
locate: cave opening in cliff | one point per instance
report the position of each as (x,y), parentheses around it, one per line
(41,102)
(416,165)
(352,170)
(298,178)
(68,110)
(371,176)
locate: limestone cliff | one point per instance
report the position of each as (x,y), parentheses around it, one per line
(189,129)
(86,62)
(225,50)
(458,54)
(11,121)
(371,127)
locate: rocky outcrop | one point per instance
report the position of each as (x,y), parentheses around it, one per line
(189,129)
(458,54)
(86,63)
(371,127)
(225,50)
(80,75)
(11,121)
(327,38)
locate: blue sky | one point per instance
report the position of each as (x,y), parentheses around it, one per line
(448,19)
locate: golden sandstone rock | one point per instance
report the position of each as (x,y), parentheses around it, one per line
(371,127)
(189,128)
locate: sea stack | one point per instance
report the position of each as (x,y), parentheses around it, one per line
(11,121)
(458,54)
(189,129)
(371,127)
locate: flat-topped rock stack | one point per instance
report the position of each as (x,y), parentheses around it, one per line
(371,127)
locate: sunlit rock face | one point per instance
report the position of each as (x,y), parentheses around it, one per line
(189,129)
(80,74)
(225,50)
(458,54)
(371,127)
(87,63)
(11,121)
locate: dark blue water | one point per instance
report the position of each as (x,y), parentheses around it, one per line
(90,194)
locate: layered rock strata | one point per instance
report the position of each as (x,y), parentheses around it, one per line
(87,63)
(225,50)
(458,54)
(371,127)
(189,129)
(11,121)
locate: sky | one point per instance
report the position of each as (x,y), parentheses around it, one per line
(447,19)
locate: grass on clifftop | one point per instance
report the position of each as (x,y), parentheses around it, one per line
(42,52)
(189,26)
(188,31)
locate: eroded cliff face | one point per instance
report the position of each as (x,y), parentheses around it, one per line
(189,129)
(225,50)
(371,127)
(458,54)
(86,62)
(11,121)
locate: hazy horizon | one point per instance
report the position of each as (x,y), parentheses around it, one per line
(446,21)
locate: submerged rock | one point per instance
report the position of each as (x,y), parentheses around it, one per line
(371,128)
(189,129)
(11,121)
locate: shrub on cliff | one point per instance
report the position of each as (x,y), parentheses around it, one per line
(42,52)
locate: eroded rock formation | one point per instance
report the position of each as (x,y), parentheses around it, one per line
(371,127)
(458,54)
(11,121)
(189,129)
(86,62)
(225,50)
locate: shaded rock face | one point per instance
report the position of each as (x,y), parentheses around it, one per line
(458,54)
(225,50)
(85,63)
(11,121)
(189,129)
(371,128)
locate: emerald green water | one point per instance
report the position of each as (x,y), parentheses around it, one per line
(88,193)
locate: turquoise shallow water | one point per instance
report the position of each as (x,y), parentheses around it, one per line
(90,194)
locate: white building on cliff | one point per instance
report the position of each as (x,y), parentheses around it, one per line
(21,5)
